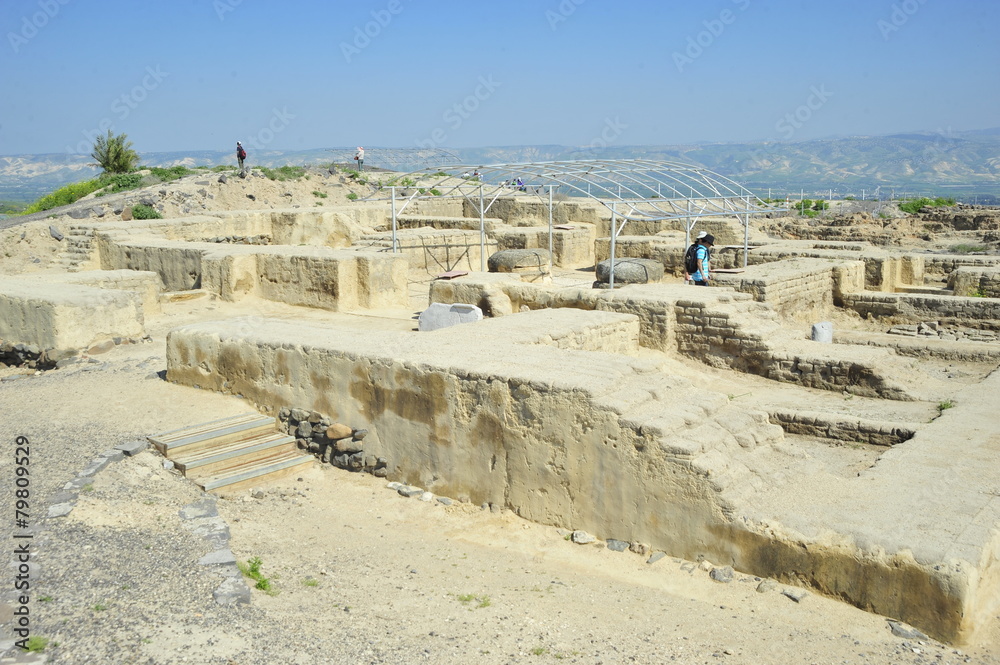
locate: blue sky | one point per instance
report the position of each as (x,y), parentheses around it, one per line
(200,74)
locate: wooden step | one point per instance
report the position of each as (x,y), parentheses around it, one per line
(256,472)
(217,459)
(188,440)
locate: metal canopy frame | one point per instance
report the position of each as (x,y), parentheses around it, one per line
(633,189)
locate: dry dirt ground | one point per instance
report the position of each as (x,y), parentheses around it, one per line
(359,573)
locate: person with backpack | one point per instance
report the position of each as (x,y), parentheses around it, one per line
(359,156)
(241,154)
(697,259)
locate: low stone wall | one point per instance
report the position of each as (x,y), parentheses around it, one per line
(797,287)
(856,430)
(719,327)
(146,284)
(533,211)
(447,223)
(945,264)
(883,271)
(66,317)
(617,447)
(978,282)
(571,248)
(434,250)
(914,308)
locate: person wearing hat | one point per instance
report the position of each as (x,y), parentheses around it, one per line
(241,154)
(703,254)
(360,156)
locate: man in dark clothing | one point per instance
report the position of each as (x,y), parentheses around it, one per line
(241,154)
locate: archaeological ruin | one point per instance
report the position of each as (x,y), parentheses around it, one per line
(707,423)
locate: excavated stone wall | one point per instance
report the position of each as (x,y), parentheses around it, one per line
(571,248)
(915,308)
(981,282)
(66,317)
(799,288)
(615,446)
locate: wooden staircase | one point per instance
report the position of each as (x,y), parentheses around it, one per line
(232,453)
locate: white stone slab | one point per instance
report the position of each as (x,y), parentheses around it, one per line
(441,315)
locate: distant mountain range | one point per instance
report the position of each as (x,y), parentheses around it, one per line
(961,164)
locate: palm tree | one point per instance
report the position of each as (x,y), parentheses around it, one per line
(114,154)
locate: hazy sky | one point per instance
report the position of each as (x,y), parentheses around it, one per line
(200,74)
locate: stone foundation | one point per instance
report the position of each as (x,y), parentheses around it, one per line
(615,446)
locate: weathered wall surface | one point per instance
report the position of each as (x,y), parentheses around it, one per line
(179,264)
(435,250)
(571,248)
(717,326)
(531,211)
(797,287)
(613,445)
(981,282)
(146,284)
(977,312)
(66,317)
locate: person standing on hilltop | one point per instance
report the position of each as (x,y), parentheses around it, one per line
(360,156)
(241,154)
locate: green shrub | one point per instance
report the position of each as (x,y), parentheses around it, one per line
(913,206)
(65,195)
(849,198)
(114,154)
(804,204)
(140,211)
(282,173)
(125,181)
(319,194)
(436,192)
(967,249)
(352,196)
(36,644)
(252,570)
(171,173)
(821,205)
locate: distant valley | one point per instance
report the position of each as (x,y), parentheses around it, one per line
(965,165)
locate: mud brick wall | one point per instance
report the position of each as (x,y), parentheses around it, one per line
(729,336)
(947,264)
(793,287)
(913,308)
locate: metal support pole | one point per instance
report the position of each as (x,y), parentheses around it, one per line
(746,233)
(394,248)
(482,231)
(551,260)
(614,232)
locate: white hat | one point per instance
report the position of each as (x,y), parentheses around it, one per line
(702,235)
